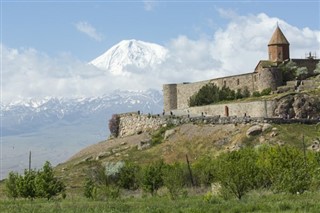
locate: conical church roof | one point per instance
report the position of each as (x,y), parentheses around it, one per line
(278,37)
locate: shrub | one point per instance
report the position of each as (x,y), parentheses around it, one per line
(26,184)
(256,94)
(205,170)
(152,177)
(32,184)
(174,179)
(266,92)
(246,92)
(128,176)
(11,185)
(208,94)
(238,171)
(89,189)
(286,168)
(47,185)
(114,123)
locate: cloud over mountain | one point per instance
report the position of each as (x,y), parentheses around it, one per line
(231,50)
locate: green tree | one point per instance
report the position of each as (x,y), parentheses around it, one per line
(26,184)
(288,70)
(11,185)
(89,189)
(225,93)
(152,177)
(128,176)
(208,94)
(174,179)
(245,92)
(47,185)
(205,170)
(287,168)
(301,72)
(238,171)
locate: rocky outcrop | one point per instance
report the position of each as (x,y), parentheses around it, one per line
(254,130)
(298,106)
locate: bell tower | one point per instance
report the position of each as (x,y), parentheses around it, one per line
(278,46)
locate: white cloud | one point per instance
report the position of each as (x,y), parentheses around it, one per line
(149,5)
(89,30)
(235,49)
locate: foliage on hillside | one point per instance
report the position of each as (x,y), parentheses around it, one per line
(41,184)
(210,93)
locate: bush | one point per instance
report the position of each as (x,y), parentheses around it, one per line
(256,94)
(238,171)
(174,179)
(32,184)
(90,189)
(208,94)
(128,176)
(47,184)
(205,171)
(286,168)
(152,177)
(114,123)
(266,92)
(11,185)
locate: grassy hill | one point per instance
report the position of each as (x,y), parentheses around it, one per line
(194,140)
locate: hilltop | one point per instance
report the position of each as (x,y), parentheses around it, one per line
(193,139)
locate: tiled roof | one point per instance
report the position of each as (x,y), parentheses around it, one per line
(278,37)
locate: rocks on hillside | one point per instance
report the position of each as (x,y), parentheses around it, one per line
(254,130)
(298,106)
(315,146)
(258,129)
(168,133)
(145,144)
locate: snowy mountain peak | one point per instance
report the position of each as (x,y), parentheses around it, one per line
(130,56)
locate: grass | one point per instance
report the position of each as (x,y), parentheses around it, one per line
(256,201)
(292,134)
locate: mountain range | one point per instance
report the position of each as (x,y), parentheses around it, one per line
(54,128)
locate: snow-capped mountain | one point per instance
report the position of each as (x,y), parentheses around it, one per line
(28,115)
(56,128)
(133,54)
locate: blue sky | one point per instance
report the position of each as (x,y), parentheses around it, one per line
(45,45)
(51,27)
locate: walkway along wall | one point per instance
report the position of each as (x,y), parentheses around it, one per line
(134,123)
(253,109)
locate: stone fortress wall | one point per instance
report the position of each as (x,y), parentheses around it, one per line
(176,96)
(265,75)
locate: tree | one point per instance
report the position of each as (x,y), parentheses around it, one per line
(47,185)
(152,177)
(208,94)
(301,72)
(237,171)
(205,170)
(174,179)
(32,184)
(26,184)
(11,185)
(287,168)
(128,176)
(89,189)
(288,70)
